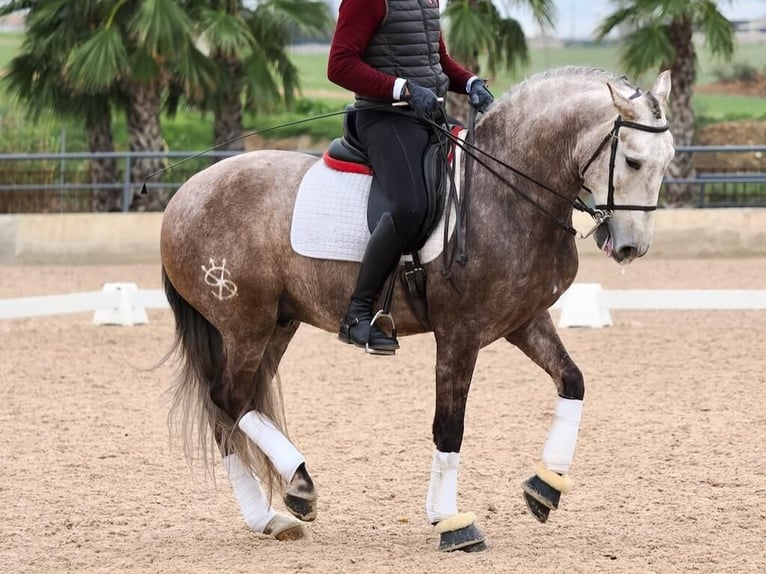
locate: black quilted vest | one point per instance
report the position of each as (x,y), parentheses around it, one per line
(406,44)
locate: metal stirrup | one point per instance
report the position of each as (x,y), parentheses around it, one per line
(384,313)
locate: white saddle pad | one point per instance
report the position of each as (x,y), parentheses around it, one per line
(330,216)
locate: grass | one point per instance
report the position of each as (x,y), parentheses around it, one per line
(9,46)
(711,108)
(192,131)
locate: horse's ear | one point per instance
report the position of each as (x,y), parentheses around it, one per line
(624,105)
(661,88)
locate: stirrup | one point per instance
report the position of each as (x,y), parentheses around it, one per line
(373,351)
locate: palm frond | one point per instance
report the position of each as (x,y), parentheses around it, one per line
(470,28)
(224,32)
(626,14)
(160,27)
(646,48)
(99,62)
(305,16)
(261,90)
(543,11)
(510,50)
(718,31)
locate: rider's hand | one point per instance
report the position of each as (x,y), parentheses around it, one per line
(480,97)
(422,100)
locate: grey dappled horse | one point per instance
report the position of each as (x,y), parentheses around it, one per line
(239,292)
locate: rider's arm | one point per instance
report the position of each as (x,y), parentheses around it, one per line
(357,22)
(459,77)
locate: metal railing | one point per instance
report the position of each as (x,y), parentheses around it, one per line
(61,182)
(727,187)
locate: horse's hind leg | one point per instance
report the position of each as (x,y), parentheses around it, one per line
(245,394)
(539,340)
(254,503)
(300,496)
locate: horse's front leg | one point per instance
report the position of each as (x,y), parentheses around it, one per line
(539,340)
(455,361)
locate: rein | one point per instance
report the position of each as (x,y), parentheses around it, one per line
(461,204)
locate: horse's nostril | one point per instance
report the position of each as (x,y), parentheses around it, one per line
(628,252)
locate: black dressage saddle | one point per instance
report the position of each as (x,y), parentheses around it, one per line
(348,148)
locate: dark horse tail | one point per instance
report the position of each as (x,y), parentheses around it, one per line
(206,428)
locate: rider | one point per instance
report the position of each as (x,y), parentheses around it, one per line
(386,51)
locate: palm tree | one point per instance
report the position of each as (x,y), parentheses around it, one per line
(83,59)
(36,77)
(249,48)
(476,29)
(137,47)
(661,35)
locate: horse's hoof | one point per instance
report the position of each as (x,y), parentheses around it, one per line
(284,528)
(301,497)
(478,547)
(460,532)
(538,510)
(540,497)
(302,508)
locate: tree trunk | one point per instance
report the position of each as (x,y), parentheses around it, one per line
(683,69)
(228,108)
(103,170)
(145,134)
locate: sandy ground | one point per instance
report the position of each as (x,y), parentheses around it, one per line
(669,474)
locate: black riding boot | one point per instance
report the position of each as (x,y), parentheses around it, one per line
(380,258)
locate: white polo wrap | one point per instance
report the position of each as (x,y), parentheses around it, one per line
(252,500)
(281,452)
(560,446)
(441,502)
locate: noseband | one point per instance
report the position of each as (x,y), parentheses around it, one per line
(607,208)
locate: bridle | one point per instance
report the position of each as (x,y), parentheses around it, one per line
(600,213)
(609,207)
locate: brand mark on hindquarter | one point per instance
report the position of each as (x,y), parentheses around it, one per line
(218,276)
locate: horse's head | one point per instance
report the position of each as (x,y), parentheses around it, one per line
(624,171)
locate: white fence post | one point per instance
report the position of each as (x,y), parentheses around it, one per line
(583,306)
(125,313)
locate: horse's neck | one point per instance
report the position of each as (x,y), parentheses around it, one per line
(541,150)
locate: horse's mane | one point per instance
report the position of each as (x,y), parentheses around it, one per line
(578,72)
(585,74)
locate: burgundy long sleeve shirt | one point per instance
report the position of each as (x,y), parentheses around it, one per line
(357,22)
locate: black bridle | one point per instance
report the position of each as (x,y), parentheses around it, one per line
(607,208)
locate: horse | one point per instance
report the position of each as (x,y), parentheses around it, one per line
(239,291)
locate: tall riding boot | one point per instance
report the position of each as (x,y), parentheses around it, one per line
(380,258)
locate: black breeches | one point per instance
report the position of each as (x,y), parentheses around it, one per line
(395,144)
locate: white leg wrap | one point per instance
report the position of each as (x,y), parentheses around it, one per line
(281,452)
(441,501)
(252,500)
(560,446)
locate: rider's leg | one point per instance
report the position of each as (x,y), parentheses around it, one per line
(380,258)
(394,144)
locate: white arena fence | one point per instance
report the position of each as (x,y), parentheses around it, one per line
(582,305)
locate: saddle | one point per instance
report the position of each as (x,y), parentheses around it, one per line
(346,154)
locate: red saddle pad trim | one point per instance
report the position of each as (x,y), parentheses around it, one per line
(346,166)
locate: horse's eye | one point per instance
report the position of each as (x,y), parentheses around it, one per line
(633,163)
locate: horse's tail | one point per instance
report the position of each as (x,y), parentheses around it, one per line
(201,351)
